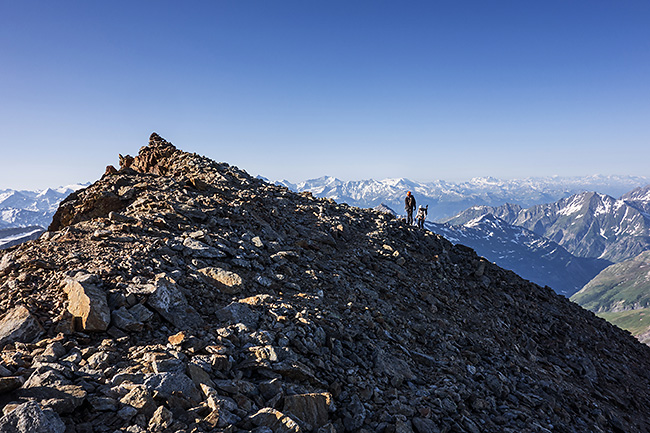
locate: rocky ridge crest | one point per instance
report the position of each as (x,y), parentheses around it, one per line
(179,294)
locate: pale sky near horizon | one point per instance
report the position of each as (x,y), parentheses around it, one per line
(354,89)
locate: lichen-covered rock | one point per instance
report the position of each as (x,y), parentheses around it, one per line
(168,300)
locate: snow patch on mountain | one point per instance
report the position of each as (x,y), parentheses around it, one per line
(573,207)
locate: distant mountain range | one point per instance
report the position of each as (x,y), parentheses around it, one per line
(523,251)
(18,235)
(31,208)
(446,199)
(25,214)
(589,224)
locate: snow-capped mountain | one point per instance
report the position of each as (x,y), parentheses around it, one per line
(523,251)
(588,224)
(31,208)
(639,198)
(447,198)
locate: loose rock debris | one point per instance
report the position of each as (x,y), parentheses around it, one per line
(178,294)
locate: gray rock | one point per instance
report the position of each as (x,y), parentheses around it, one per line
(171,365)
(424,425)
(196,248)
(7,263)
(123,319)
(140,399)
(31,418)
(356,414)
(103,404)
(275,420)
(257,242)
(62,398)
(161,419)
(237,312)
(391,366)
(19,325)
(169,383)
(8,384)
(313,408)
(169,301)
(140,313)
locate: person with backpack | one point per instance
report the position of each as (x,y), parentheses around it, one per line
(421,215)
(409,207)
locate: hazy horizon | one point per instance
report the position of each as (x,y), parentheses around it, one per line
(448,181)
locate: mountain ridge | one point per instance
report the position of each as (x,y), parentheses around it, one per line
(620,287)
(223,303)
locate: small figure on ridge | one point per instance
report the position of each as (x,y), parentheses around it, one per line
(421,215)
(409,207)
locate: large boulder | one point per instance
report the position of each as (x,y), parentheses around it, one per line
(88,303)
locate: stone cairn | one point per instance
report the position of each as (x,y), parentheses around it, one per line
(179,294)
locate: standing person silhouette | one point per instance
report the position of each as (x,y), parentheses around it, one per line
(409,207)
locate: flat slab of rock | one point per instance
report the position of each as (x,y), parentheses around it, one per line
(196,248)
(88,302)
(223,280)
(61,398)
(19,325)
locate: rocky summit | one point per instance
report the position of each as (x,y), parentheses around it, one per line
(179,294)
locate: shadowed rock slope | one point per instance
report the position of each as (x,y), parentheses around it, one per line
(182,294)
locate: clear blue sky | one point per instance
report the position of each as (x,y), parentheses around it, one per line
(354,89)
